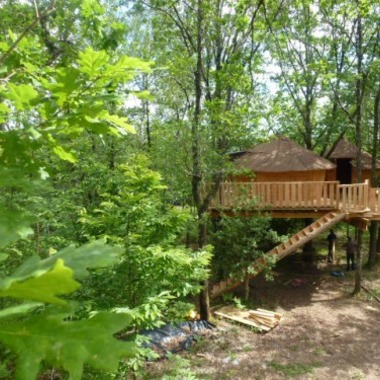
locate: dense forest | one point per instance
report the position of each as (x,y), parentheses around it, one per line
(115,118)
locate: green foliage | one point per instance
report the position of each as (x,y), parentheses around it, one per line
(37,333)
(132,212)
(65,344)
(44,107)
(291,370)
(239,241)
(179,368)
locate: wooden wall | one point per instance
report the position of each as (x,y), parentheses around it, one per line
(366,175)
(291,176)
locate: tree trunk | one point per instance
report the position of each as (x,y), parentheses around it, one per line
(146,114)
(358,273)
(372,244)
(204,300)
(378,239)
(204,303)
(359,99)
(374,224)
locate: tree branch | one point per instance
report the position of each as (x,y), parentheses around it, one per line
(26,31)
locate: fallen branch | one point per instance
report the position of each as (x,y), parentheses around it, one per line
(369,292)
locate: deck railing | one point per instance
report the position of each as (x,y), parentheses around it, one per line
(327,195)
(374,200)
(354,197)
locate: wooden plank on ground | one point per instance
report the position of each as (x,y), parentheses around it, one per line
(262,319)
(242,320)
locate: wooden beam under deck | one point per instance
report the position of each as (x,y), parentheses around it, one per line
(296,214)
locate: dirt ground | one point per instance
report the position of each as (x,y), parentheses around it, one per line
(325,333)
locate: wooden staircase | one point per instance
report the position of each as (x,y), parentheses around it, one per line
(282,250)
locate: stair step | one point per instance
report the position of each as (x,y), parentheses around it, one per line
(283,249)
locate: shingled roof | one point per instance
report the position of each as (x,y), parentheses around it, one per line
(345,149)
(282,155)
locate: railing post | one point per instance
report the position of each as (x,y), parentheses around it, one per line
(337,196)
(366,193)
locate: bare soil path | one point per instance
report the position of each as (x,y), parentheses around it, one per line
(325,332)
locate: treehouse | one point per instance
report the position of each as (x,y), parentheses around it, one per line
(344,156)
(287,181)
(283,160)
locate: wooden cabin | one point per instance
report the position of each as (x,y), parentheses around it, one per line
(279,175)
(344,156)
(283,160)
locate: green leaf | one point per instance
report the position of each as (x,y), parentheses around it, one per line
(4,46)
(92,255)
(42,286)
(143,95)
(65,84)
(13,226)
(91,8)
(19,309)
(120,122)
(68,344)
(22,95)
(4,110)
(132,63)
(64,154)
(92,62)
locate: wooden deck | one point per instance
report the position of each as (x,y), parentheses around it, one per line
(298,199)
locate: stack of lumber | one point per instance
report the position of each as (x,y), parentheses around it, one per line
(261,319)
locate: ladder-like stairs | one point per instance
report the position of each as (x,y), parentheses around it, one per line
(282,250)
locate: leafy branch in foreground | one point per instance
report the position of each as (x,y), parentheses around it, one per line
(37,333)
(41,108)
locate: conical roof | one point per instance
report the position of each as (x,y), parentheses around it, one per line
(282,155)
(344,149)
(347,150)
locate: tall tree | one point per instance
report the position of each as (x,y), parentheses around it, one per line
(215,74)
(297,45)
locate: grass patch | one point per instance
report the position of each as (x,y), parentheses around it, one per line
(294,369)
(320,351)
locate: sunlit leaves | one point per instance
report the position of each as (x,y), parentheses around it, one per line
(63,154)
(49,335)
(92,255)
(22,95)
(120,122)
(52,337)
(4,110)
(41,286)
(51,92)
(92,62)
(91,8)
(43,280)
